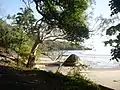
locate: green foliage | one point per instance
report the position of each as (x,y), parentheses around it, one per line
(68,16)
(114,6)
(25,20)
(115,43)
(13,38)
(9,35)
(114,30)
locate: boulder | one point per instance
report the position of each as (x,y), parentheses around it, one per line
(72,60)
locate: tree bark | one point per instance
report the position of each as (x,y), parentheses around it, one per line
(31,59)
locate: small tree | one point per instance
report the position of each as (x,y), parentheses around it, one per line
(12,38)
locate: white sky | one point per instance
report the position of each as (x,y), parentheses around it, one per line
(101,8)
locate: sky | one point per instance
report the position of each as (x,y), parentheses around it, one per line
(96,42)
(101,8)
(9,6)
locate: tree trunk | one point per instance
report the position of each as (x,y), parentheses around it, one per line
(31,59)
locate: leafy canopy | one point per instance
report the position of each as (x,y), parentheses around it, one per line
(25,20)
(67,15)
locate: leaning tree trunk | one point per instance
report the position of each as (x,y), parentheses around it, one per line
(31,58)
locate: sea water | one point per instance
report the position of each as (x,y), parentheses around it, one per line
(95,59)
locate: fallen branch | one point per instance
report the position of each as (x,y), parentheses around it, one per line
(5,55)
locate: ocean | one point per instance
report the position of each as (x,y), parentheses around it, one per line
(95,59)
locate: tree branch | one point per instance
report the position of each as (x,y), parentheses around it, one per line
(56,39)
(55,36)
(37,8)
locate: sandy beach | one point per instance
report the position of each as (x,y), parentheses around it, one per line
(108,77)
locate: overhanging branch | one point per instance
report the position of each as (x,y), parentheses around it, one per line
(55,36)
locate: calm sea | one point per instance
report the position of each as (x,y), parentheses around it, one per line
(95,59)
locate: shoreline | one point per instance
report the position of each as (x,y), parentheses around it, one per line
(91,64)
(104,69)
(109,77)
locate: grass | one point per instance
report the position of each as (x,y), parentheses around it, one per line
(19,79)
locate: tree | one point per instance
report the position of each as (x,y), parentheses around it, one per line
(12,40)
(24,21)
(8,35)
(114,30)
(59,20)
(114,6)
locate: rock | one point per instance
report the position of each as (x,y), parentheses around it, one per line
(72,60)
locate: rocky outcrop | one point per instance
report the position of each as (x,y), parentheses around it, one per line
(72,60)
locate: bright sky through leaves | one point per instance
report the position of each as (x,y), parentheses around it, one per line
(101,8)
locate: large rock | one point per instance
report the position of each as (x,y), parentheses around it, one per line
(72,60)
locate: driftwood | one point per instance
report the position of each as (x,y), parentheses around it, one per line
(10,57)
(105,88)
(7,55)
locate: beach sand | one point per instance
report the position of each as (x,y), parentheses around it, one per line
(108,77)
